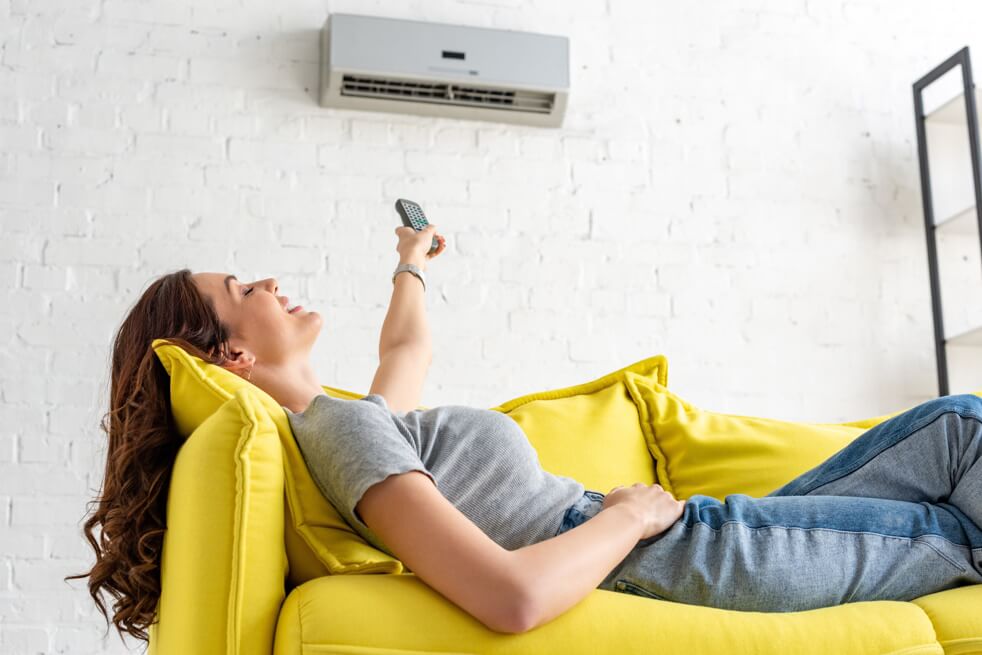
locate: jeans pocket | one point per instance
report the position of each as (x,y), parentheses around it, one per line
(946,557)
(628,587)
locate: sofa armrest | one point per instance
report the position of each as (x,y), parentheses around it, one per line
(224,564)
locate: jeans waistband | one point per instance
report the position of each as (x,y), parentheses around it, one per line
(586,507)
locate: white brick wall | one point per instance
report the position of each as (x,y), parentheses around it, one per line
(735,187)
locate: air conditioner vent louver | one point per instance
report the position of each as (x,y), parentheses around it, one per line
(449,94)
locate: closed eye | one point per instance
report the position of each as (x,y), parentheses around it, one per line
(248,291)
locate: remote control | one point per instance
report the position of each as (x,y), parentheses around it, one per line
(413,216)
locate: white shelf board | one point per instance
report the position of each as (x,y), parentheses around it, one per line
(953,110)
(964,369)
(963,222)
(972,337)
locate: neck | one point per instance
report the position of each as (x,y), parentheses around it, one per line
(293,384)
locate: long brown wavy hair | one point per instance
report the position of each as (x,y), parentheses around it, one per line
(131,507)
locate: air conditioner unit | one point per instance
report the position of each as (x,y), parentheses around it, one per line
(438,69)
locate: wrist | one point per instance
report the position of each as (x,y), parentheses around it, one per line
(634,515)
(413,260)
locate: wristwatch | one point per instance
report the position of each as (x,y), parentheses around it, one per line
(412,268)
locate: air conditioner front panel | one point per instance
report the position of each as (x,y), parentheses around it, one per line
(394,66)
(404,47)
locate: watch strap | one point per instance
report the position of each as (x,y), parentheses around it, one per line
(411,268)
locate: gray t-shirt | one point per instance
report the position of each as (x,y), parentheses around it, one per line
(480,459)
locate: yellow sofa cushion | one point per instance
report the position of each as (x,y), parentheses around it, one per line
(956,616)
(699,451)
(588,431)
(317,540)
(407,617)
(223,563)
(715,454)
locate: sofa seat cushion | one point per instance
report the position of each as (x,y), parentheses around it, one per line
(372,614)
(957,618)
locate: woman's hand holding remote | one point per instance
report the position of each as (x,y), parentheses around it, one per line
(657,509)
(414,246)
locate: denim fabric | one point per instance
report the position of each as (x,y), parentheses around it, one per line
(586,507)
(894,515)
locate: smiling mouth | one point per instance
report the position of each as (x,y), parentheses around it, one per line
(295,309)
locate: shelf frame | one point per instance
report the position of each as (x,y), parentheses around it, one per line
(960,58)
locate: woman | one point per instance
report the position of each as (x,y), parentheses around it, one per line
(457,493)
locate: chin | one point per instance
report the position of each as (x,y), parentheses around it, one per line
(314,319)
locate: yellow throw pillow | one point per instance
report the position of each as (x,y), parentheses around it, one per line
(698,451)
(318,541)
(590,431)
(223,561)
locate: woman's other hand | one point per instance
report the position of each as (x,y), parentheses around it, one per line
(657,509)
(414,247)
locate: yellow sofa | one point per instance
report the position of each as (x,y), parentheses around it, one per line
(255,561)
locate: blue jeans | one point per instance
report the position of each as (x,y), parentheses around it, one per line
(894,515)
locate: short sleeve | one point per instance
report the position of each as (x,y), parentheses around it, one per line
(379,399)
(350,445)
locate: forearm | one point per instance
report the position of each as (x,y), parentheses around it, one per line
(563,570)
(405,322)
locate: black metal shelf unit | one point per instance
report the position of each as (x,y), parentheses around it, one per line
(960,58)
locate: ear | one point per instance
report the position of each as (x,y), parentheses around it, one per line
(240,359)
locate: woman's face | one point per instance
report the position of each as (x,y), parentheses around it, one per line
(258,317)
